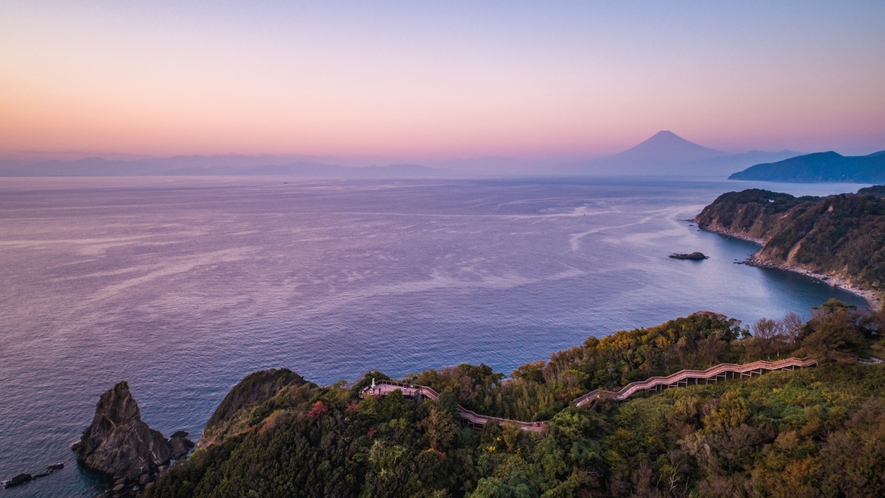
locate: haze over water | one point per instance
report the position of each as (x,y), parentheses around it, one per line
(184,286)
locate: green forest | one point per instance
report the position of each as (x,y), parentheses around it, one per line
(809,432)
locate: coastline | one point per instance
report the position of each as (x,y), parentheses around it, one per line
(874,301)
(729,233)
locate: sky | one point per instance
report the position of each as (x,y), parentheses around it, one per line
(438,80)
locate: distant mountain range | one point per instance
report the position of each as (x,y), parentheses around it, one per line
(217,166)
(666,153)
(819,167)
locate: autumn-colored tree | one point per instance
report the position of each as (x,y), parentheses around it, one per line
(318,410)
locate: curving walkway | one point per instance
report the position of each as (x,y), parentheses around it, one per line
(384,387)
(682,378)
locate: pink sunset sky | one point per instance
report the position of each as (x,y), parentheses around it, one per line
(438,80)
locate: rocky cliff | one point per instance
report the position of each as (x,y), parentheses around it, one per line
(118,443)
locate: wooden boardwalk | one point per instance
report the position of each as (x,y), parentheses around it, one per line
(384,387)
(683,378)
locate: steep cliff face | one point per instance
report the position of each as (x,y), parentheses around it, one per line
(841,235)
(255,397)
(118,443)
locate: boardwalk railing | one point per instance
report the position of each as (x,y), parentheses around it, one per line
(682,378)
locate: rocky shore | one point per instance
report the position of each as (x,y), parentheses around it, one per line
(874,301)
(730,233)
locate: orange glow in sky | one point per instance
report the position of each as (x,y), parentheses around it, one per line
(439,80)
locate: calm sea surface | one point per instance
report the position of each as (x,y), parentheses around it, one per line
(183,286)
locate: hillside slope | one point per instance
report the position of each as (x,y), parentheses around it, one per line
(814,432)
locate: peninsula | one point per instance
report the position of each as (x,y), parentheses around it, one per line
(839,239)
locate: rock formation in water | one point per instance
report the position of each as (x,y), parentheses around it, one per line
(24,477)
(121,445)
(18,480)
(179,445)
(695,256)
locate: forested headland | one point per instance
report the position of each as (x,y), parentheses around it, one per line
(819,167)
(812,432)
(840,235)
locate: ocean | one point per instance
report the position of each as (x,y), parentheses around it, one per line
(182,286)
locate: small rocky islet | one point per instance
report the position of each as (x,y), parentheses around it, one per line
(25,477)
(120,445)
(693,256)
